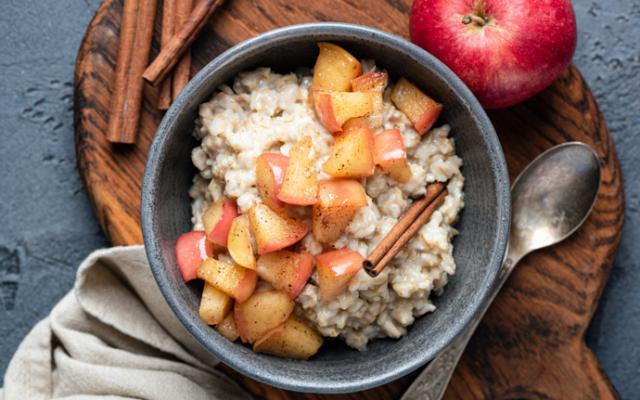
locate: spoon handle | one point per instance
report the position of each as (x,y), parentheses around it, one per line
(434,379)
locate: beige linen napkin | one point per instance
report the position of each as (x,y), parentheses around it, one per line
(114,336)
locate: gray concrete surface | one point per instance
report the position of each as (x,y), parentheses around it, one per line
(46,223)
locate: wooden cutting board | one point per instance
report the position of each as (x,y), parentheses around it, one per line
(531,343)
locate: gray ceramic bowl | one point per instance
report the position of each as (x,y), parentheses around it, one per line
(478,249)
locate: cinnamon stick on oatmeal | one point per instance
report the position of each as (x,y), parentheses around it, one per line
(182,71)
(410,222)
(181,40)
(133,55)
(168,27)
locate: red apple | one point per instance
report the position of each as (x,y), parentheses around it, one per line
(504,50)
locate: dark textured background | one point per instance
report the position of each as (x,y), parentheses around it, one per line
(46,223)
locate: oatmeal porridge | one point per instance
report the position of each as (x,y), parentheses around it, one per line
(267,112)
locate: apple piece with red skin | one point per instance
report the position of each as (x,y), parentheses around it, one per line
(352,154)
(321,102)
(234,280)
(391,155)
(217,220)
(421,109)
(274,231)
(374,120)
(339,201)
(270,169)
(374,82)
(286,270)
(214,305)
(335,270)
(192,248)
(300,185)
(227,328)
(240,244)
(334,69)
(260,313)
(293,339)
(341,193)
(504,50)
(333,109)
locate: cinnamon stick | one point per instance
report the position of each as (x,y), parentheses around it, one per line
(133,54)
(180,42)
(412,220)
(182,71)
(168,27)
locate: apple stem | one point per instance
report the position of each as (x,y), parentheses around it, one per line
(474,18)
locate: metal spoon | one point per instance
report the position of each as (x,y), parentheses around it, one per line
(551,199)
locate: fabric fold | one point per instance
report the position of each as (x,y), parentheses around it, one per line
(114,337)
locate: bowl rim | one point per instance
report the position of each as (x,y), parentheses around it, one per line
(503,201)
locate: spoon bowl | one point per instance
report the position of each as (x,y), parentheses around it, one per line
(552,197)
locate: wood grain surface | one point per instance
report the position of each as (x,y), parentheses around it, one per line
(531,343)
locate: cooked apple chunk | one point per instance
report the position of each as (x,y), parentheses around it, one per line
(300,185)
(329,223)
(339,200)
(217,220)
(391,155)
(228,328)
(352,154)
(270,169)
(335,68)
(421,110)
(192,248)
(333,109)
(286,270)
(374,82)
(293,339)
(341,193)
(274,231)
(335,270)
(214,305)
(261,313)
(233,280)
(239,242)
